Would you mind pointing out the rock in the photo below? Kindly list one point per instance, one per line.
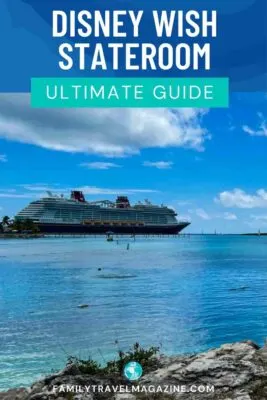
(235, 371)
(14, 394)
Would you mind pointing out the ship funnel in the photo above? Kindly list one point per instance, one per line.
(122, 202)
(78, 196)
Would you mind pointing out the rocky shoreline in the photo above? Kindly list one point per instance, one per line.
(236, 371)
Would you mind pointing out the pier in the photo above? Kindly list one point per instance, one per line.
(116, 236)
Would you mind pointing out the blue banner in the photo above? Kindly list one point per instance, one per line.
(238, 51)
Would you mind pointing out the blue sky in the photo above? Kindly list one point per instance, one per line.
(211, 165)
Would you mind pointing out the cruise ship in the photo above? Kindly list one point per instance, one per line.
(57, 214)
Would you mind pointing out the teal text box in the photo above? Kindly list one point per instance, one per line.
(129, 92)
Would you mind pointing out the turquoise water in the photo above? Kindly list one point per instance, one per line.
(176, 293)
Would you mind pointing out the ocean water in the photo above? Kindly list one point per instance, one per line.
(184, 294)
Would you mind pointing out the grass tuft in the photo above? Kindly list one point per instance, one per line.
(146, 357)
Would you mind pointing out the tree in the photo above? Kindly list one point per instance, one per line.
(24, 225)
(5, 221)
(17, 225)
(29, 225)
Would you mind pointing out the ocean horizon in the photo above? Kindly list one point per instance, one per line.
(185, 294)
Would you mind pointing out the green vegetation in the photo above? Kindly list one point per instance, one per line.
(5, 221)
(145, 357)
(4, 225)
(25, 225)
(17, 225)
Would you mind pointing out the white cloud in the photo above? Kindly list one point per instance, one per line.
(93, 190)
(202, 214)
(229, 216)
(261, 130)
(158, 164)
(39, 187)
(109, 132)
(240, 199)
(182, 203)
(38, 190)
(32, 192)
(99, 165)
(259, 217)
(257, 221)
(184, 217)
(15, 195)
(3, 158)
